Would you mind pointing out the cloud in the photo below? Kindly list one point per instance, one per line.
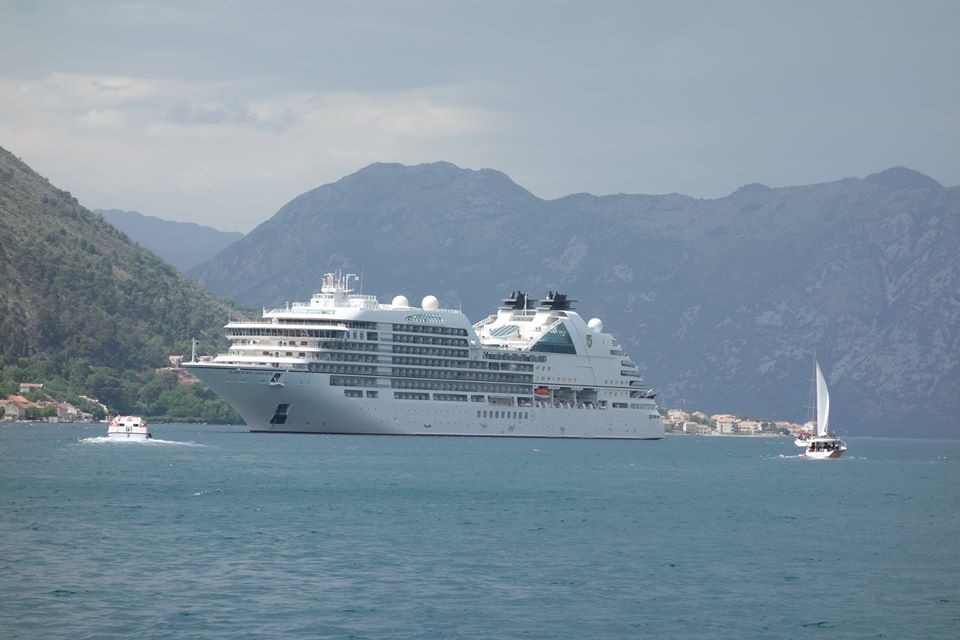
(172, 148)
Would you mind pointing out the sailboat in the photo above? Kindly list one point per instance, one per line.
(822, 445)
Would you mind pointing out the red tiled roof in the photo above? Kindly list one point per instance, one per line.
(20, 401)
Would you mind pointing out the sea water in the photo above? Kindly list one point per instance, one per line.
(212, 532)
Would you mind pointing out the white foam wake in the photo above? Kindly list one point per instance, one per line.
(149, 442)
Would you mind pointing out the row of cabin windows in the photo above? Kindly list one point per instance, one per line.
(456, 397)
(286, 333)
(447, 342)
(355, 369)
(347, 357)
(436, 374)
(461, 386)
(275, 354)
(421, 328)
(348, 346)
(462, 364)
(351, 324)
(350, 381)
(356, 393)
(448, 374)
(486, 387)
(510, 415)
(339, 356)
(430, 351)
(520, 357)
(406, 395)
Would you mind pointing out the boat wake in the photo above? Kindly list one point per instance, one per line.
(799, 456)
(151, 442)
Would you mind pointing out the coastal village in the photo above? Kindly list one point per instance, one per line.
(678, 421)
(32, 403)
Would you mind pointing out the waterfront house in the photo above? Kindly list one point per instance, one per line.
(66, 412)
(726, 423)
(750, 426)
(15, 407)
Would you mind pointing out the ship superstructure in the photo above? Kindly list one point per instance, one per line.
(345, 363)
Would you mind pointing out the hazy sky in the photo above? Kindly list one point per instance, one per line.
(221, 112)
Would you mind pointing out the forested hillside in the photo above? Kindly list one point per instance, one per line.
(84, 309)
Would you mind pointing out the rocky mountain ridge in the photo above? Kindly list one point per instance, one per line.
(182, 244)
(723, 302)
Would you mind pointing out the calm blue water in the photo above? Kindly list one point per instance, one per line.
(225, 534)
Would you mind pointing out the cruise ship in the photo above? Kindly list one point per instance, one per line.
(345, 363)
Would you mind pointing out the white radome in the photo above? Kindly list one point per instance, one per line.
(595, 325)
(400, 301)
(430, 303)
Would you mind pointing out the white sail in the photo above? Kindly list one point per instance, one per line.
(823, 404)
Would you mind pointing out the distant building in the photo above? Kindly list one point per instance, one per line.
(184, 377)
(726, 423)
(750, 426)
(697, 428)
(15, 407)
(30, 387)
(66, 412)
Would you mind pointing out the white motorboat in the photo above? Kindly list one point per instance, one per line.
(803, 438)
(128, 428)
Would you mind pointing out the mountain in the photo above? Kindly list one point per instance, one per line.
(182, 244)
(723, 302)
(81, 305)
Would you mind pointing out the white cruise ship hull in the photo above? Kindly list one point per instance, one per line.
(305, 403)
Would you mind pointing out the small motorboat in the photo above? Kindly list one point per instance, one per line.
(803, 438)
(128, 428)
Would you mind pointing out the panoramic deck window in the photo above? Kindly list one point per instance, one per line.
(557, 340)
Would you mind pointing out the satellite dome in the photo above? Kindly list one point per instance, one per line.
(400, 301)
(430, 303)
(595, 325)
